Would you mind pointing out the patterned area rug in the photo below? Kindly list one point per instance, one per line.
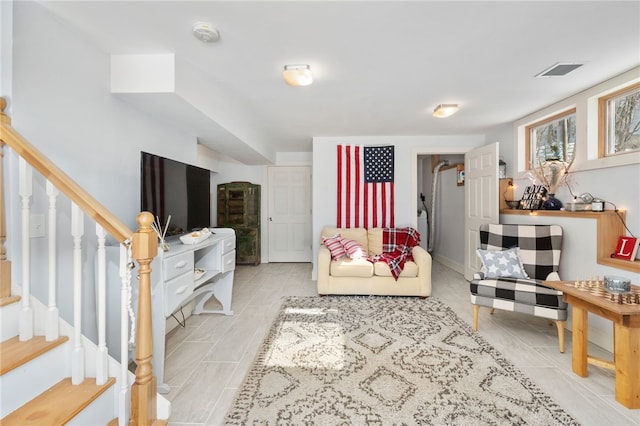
(381, 361)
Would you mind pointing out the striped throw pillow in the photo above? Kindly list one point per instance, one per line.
(334, 244)
(354, 250)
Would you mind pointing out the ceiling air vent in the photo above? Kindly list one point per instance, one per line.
(559, 70)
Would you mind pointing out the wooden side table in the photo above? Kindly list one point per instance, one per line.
(625, 314)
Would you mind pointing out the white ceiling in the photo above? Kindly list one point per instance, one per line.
(380, 67)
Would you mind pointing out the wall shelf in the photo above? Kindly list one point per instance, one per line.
(609, 228)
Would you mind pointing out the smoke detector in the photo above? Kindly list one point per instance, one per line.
(203, 31)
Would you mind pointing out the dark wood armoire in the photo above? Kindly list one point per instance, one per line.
(239, 208)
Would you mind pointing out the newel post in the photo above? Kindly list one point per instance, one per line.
(5, 265)
(143, 392)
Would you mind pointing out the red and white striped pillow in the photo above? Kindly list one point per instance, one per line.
(334, 244)
(354, 249)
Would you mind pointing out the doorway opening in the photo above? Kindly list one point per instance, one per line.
(440, 210)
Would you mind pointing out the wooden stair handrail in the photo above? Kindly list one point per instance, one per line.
(92, 207)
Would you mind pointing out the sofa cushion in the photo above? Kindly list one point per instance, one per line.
(358, 235)
(381, 269)
(346, 267)
(375, 241)
(335, 246)
(521, 291)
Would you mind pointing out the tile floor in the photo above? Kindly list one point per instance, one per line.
(208, 359)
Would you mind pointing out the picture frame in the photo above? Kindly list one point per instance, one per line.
(533, 197)
(627, 249)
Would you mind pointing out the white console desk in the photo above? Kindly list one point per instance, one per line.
(175, 283)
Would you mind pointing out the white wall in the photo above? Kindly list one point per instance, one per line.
(62, 104)
(407, 150)
(293, 159)
(64, 107)
(6, 49)
(448, 245)
(504, 135)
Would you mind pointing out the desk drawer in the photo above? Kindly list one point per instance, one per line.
(178, 265)
(229, 261)
(176, 291)
(229, 244)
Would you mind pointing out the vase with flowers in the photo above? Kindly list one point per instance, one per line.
(552, 174)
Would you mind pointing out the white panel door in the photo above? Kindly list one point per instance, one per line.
(289, 214)
(481, 200)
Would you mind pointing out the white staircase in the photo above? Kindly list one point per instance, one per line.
(35, 383)
(50, 373)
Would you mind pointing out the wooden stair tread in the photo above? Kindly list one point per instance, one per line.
(4, 301)
(58, 404)
(14, 353)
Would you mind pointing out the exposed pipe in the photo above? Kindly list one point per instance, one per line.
(432, 221)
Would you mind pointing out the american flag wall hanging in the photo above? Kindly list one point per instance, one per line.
(365, 187)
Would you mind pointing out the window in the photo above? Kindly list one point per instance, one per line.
(553, 138)
(619, 122)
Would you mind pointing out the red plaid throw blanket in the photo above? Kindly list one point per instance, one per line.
(396, 248)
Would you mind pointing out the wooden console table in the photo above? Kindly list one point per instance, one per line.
(625, 315)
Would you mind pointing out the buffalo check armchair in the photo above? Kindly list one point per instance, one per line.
(516, 260)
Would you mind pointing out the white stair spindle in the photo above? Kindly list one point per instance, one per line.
(77, 231)
(124, 400)
(51, 332)
(26, 190)
(102, 359)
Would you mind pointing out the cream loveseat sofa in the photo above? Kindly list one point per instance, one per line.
(361, 277)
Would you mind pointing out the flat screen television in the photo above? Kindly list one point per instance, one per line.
(169, 187)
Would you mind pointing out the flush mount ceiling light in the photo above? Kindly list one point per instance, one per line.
(297, 75)
(445, 110)
(203, 31)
